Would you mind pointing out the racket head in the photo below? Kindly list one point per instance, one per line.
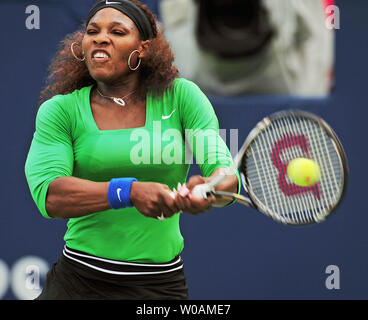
(271, 145)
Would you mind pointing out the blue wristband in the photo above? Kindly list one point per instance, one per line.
(118, 193)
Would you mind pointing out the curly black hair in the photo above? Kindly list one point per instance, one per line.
(67, 74)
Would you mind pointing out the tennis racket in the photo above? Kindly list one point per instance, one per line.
(263, 159)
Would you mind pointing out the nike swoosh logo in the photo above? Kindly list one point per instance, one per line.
(118, 192)
(169, 116)
(108, 2)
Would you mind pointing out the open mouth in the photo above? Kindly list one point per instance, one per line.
(100, 56)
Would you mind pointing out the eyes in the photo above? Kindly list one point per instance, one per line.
(115, 32)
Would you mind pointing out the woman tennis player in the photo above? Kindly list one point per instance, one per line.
(112, 85)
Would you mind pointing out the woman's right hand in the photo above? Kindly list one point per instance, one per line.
(153, 199)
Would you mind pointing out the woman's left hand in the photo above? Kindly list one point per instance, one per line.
(187, 202)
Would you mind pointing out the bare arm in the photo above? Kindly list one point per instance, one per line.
(70, 197)
(229, 184)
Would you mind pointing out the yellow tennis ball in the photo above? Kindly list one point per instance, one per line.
(303, 172)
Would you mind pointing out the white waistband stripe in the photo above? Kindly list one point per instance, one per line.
(123, 263)
(66, 251)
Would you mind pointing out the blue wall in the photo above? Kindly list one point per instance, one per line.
(231, 253)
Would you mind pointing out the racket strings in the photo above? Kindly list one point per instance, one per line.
(297, 206)
(319, 152)
(286, 209)
(263, 170)
(293, 137)
(329, 181)
(310, 209)
(317, 213)
(294, 207)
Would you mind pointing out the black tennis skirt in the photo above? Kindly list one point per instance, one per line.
(80, 276)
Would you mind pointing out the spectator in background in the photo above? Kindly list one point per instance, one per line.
(251, 46)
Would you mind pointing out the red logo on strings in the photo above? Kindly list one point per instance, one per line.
(287, 142)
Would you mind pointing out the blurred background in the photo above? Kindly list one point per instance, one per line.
(251, 58)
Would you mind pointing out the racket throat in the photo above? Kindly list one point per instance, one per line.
(230, 197)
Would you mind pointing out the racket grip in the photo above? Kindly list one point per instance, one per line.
(201, 190)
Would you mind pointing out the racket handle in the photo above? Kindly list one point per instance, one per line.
(201, 190)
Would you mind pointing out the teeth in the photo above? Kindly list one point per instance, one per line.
(100, 55)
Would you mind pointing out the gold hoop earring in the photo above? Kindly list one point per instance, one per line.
(75, 56)
(130, 57)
